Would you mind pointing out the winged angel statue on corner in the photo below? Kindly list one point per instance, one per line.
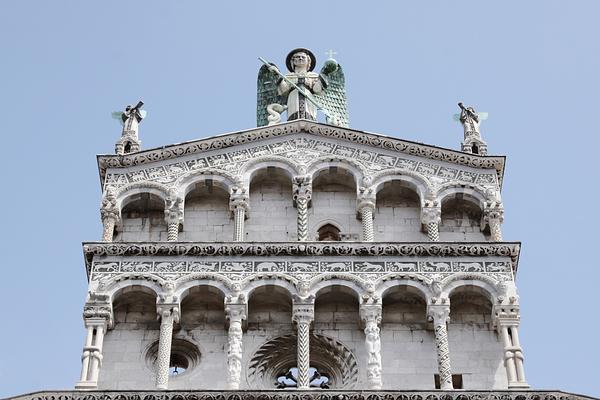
(301, 92)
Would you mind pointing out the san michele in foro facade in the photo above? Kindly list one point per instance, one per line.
(301, 260)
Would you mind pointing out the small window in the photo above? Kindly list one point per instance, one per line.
(457, 381)
(127, 148)
(329, 233)
(475, 149)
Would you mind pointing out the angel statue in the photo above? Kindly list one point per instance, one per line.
(470, 120)
(130, 119)
(301, 91)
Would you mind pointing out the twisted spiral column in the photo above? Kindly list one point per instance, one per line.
(439, 314)
(173, 231)
(431, 217)
(365, 206)
(173, 214)
(302, 194)
(168, 314)
(239, 205)
(303, 315)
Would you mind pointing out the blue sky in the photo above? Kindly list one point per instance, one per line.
(67, 64)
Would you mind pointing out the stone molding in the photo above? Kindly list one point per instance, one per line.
(227, 161)
(302, 394)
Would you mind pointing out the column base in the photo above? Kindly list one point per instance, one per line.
(86, 385)
(161, 387)
(518, 385)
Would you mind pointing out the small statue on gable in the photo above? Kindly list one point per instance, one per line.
(130, 120)
(470, 120)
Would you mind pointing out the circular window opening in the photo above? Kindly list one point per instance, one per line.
(184, 356)
(274, 364)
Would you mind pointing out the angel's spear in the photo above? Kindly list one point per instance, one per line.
(298, 88)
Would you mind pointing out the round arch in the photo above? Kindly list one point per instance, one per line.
(252, 167)
(414, 181)
(126, 193)
(117, 288)
(184, 285)
(322, 163)
(475, 194)
(487, 285)
(259, 281)
(186, 183)
(354, 286)
(420, 287)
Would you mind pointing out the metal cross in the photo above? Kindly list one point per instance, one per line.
(330, 54)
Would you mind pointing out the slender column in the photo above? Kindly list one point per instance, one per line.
(365, 207)
(235, 313)
(303, 315)
(110, 215)
(431, 218)
(507, 323)
(97, 317)
(514, 330)
(494, 218)
(168, 314)
(440, 315)
(302, 194)
(173, 214)
(239, 205)
(509, 360)
(371, 317)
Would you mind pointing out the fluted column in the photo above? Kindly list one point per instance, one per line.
(240, 206)
(302, 194)
(494, 218)
(173, 215)
(440, 315)
(110, 215)
(303, 315)
(370, 314)
(365, 207)
(97, 318)
(431, 218)
(235, 313)
(507, 323)
(168, 313)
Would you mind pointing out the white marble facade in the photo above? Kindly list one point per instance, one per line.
(299, 247)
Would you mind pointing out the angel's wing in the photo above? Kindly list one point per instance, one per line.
(117, 115)
(266, 93)
(456, 117)
(143, 113)
(333, 98)
(482, 116)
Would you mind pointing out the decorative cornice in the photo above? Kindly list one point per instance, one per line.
(302, 394)
(301, 249)
(318, 129)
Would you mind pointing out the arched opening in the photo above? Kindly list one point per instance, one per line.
(127, 147)
(477, 352)
(272, 213)
(135, 329)
(405, 330)
(142, 219)
(207, 217)
(475, 148)
(334, 199)
(270, 311)
(398, 213)
(328, 233)
(336, 310)
(461, 219)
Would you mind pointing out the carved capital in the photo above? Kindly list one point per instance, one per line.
(238, 198)
(302, 189)
(366, 198)
(370, 314)
(438, 314)
(109, 208)
(98, 313)
(431, 214)
(495, 213)
(303, 313)
(236, 312)
(507, 315)
(173, 207)
(166, 311)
